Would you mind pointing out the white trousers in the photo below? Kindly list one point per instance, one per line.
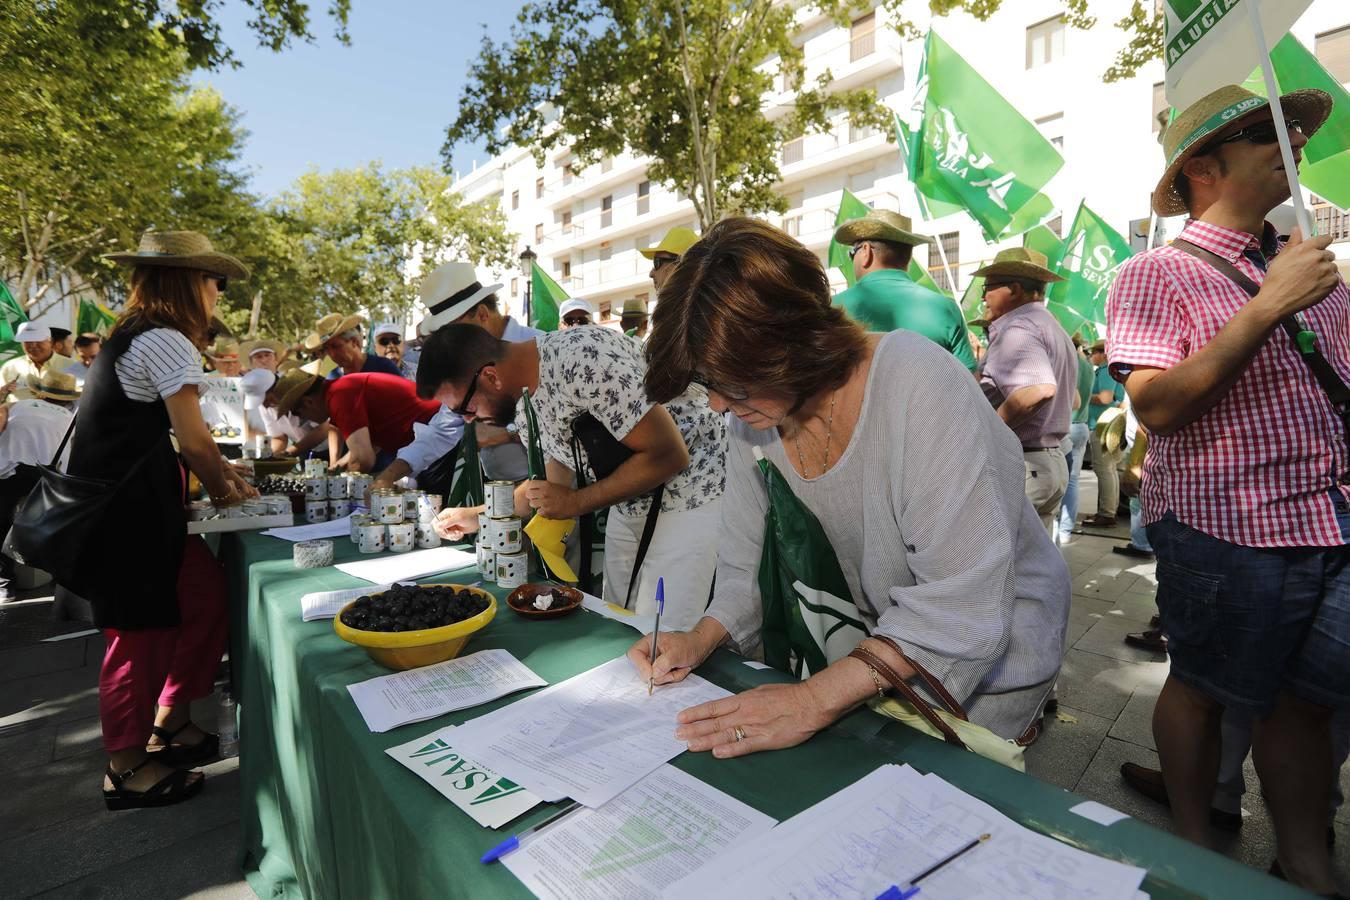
(683, 551)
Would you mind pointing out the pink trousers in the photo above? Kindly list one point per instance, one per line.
(168, 666)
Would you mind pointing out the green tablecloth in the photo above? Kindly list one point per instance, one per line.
(327, 814)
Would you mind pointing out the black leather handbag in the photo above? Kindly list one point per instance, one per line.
(61, 515)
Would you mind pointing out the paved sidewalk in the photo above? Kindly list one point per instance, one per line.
(61, 842)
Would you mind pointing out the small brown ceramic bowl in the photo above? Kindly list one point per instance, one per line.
(521, 601)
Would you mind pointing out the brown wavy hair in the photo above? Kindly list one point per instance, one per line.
(750, 306)
(167, 297)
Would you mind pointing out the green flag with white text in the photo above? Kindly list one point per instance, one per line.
(1210, 43)
(810, 619)
(546, 295)
(11, 314)
(931, 209)
(1093, 253)
(1325, 169)
(850, 207)
(971, 148)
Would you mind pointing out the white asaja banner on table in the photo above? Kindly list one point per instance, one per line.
(1211, 43)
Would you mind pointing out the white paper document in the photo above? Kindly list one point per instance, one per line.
(893, 824)
(590, 737)
(660, 829)
(418, 694)
(617, 613)
(489, 799)
(327, 604)
(392, 567)
(336, 528)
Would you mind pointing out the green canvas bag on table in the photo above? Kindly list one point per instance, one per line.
(811, 620)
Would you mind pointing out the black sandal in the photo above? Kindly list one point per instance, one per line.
(183, 754)
(172, 788)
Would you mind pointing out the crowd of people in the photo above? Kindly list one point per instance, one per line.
(940, 468)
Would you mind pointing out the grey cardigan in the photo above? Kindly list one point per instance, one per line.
(927, 513)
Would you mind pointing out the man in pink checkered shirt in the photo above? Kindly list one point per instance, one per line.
(1244, 484)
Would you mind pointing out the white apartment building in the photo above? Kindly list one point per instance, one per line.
(586, 225)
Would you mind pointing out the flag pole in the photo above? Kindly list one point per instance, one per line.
(1277, 113)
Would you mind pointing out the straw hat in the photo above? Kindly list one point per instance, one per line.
(55, 385)
(676, 241)
(181, 250)
(248, 348)
(1020, 262)
(1099, 346)
(451, 290)
(223, 348)
(329, 327)
(1213, 113)
(290, 388)
(634, 306)
(1109, 432)
(880, 225)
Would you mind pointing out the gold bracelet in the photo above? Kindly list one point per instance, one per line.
(876, 680)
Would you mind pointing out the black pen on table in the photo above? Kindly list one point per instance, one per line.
(656, 627)
(895, 892)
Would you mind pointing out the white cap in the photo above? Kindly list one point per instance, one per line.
(32, 332)
(255, 384)
(387, 328)
(574, 305)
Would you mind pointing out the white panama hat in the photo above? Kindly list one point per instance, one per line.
(451, 290)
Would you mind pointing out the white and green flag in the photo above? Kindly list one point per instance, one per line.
(970, 148)
(1211, 43)
(1093, 253)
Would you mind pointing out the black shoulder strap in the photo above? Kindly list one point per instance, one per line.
(69, 431)
(1327, 376)
(588, 526)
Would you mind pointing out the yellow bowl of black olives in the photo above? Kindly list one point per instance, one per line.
(408, 626)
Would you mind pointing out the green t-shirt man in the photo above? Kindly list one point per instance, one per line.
(888, 299)
(1085, 378)
(1103, 381)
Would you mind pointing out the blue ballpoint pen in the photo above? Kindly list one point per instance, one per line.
(660, 607)
(513, 842)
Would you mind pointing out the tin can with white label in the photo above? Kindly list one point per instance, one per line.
(254, 507)
(199, 510)
(356, 521)
(505, 535)
(250, 452)
(487, 562)
(277, 504)
(339, 508)
(410, 504)
(262, 446)
(483, 521)
(511, 569)
(315, 468)
(436, 500)
(500, 497)
(316, 511)
(337, 487)
(316, 487)
(402, 536)
(426, 510)
(427, 536)
(387, 506)
(370, 537)
(358, 484)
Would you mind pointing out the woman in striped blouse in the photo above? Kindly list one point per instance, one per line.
(158, 595)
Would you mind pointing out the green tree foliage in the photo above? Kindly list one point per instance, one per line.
(359, 238)
(678, 81)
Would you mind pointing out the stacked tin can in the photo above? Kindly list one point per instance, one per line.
(398, 521)
(501, 539)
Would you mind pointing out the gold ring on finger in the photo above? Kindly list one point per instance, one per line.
(739, 733)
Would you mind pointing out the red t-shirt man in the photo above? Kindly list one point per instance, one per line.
(386, 404)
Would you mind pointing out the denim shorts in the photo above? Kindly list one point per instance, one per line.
(1244, 623)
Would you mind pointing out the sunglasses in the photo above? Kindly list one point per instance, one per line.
(659, 261)
(389, 340)
(736, 395)
(853, 251)
(1261, 132)
(577, 320)
(221, 282)
(463, 408)
(993, 286)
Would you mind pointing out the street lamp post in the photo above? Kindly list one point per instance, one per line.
(527, 258)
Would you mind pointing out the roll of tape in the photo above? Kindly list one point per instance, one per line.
(313, 554)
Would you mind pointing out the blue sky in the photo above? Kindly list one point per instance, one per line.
(388, 96)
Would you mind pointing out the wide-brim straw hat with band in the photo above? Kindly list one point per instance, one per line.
(181, 250)
(451, 290)
(1019, 262)
(1109, 432)
(222, 349)
(1190, 132)
(880, 225)
(676, 241)
(329, 327)
(55, 386)
(290, 388)
(248, 348)
(634, 306)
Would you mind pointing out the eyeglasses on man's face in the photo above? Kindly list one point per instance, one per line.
(389, 340)
(1262, 132)
(658, 262)
(462, 408)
